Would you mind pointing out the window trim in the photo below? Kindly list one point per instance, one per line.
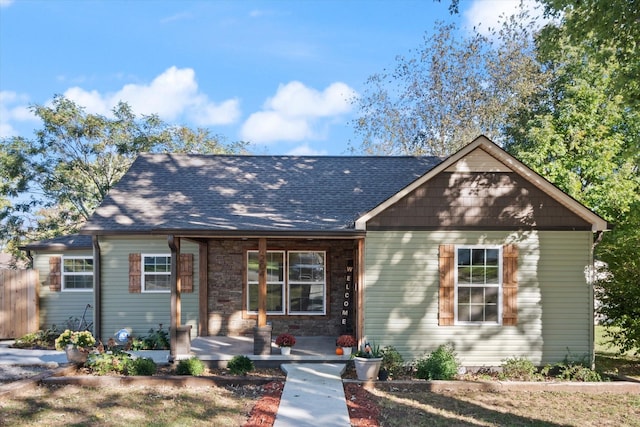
(63, 274)
(143, 274)
(498, 286)
(286, 303)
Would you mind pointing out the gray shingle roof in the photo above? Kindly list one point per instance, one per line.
(251, 193)
(72, 241)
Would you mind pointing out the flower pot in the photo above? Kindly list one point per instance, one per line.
(285, 351)
(76, 355)
(346, 351)
(367, 369)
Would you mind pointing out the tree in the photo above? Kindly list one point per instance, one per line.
(449, 91)
(52, 184)
(618, 287)
(608, 25)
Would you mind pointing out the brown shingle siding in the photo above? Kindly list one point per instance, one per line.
(468, 200)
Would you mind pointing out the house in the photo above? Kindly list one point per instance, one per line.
(476, 250)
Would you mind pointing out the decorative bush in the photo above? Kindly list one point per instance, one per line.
(157, 339)
(192, 366)
(285, 340)
(108, 363)
(346, 341)
(519, 369)
(439, 365)
(392, 361)
(142, 366)
(240, 365)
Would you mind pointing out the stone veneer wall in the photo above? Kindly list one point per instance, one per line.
(227, 263)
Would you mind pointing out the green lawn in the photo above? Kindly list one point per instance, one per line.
(608, 359)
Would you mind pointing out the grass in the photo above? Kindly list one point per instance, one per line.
(506, 409)
(124, 406)
(609, 360)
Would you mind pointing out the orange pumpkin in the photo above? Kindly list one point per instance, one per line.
(339, 351)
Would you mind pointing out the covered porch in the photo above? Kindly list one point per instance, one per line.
(216, 351)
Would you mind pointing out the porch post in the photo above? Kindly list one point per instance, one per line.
(174, 245)
(262, 331)
(262, 282)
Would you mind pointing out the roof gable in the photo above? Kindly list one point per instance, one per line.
(482, 155)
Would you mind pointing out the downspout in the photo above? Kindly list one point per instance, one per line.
(174, 245)
(97, 290)
(592, 273)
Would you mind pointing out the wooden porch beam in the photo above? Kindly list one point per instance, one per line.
(176, 309)
(262, 282)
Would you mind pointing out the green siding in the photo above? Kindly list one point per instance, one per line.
(143, 311)
(554, 298)
(56, 308)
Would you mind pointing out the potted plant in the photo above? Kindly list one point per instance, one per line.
(285, 342)
(346, 342)
(77, 345)
(367, 362)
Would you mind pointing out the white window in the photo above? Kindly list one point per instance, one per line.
(77, 273)
(301, 282)
(156, 273)
(478, 283)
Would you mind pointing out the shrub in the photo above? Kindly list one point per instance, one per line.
(157, 339)
(518, 368)
(107, 363)
(40, 339)
(142, 366)
(439, 365)
(392, 361)
(192, 366)
(240, 365)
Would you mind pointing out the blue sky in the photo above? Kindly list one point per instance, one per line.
(276, 73)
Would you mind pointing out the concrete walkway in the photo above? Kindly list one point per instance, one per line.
(313, 395)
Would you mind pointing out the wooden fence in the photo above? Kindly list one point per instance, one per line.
(19, 311)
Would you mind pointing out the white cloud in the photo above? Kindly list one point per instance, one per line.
(13, 108)
(296, 111)
(172, 95)
(485, 14)
(306, 150)
(5, 3)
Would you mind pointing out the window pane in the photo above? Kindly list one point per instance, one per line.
(493, 257)
(78, 282)
(476, 313)
(464, 256)
(491, 275)
(306, 298)
(477, 295)
(306, 267)
(464, 275)
(157, 264)
(463, 312)
(157, 282)
(464, 295)
(477, 256)
(491, 313)
(274, 297)
(78, 265)
(477, 275)
(275, 266)
(491, 295)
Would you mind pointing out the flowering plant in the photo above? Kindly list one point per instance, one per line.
(79, 339)
(345, 341)
(285, 340)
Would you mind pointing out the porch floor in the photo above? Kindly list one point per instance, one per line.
(216, 351)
